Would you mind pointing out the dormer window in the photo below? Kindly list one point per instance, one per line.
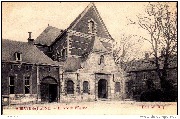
(92, 26)
(18, 56)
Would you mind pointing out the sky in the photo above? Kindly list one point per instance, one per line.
(19, 18)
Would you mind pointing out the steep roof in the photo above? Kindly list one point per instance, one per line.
(72, 64)
(91, 6)
(48, 36)
(98, 46)
(30, 53)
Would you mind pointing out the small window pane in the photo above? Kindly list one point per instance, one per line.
(26, 82)
(11, 80)
(70, 87)
(27, 89)
(11, 89)
(85, 87)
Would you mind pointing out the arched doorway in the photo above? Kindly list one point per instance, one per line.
(102, 88)
(48, 90)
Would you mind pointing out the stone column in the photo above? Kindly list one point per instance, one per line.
(109, 88)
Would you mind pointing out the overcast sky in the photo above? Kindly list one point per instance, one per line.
(19, 18)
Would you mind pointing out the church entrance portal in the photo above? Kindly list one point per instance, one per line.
(102, 88)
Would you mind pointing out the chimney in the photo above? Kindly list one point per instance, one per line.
(30, 40)
(146, 56)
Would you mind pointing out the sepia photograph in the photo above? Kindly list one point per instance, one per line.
(89, 58)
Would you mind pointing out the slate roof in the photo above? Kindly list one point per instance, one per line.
(98, 46)
(48, 36)
(143, 64)
(72, 64)
(30, 53)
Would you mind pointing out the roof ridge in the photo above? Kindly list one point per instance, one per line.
(48, 35)
(13, 40)
(80, 15)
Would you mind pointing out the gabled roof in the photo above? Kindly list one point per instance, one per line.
(48, 36)
(91, 5)
(30, 53)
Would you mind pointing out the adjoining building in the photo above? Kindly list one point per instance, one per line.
(27, 73)
(143, 71)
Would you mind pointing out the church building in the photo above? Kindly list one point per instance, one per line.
(82, 57)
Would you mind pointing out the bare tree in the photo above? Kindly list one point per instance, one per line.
(126, 49)
(160, 21)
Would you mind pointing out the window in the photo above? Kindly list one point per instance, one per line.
(11, 66)
(49, 68)
(117, 87)
(91, 27)
(27, 67)
(70, 87)
(85, 87)
(18, 56)
(144, 75)
(64, 53)
(27, 85)
(101, 59)
(11, 84)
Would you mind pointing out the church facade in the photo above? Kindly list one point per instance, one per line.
(83, 58)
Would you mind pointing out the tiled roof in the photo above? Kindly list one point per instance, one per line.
(149, 64)
(48, 36)
(72, 64)
(30, 53)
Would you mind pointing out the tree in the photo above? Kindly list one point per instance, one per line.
(126, 49)
(160, 21)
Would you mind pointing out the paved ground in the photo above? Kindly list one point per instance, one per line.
(91, 108)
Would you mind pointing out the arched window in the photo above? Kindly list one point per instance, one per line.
(101, 59)
(91, 27)
(64, 53)
(85, 87)
(70, 87)
(117, 87)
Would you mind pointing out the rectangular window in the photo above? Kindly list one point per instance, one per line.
(11, 84)
(27, 67)
(27, 85)
(117, 87)
(11, 66)
(85, 87)
(144, 75)
(18, 56)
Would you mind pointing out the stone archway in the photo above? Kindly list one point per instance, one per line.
(49, 90)
(102, 88)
